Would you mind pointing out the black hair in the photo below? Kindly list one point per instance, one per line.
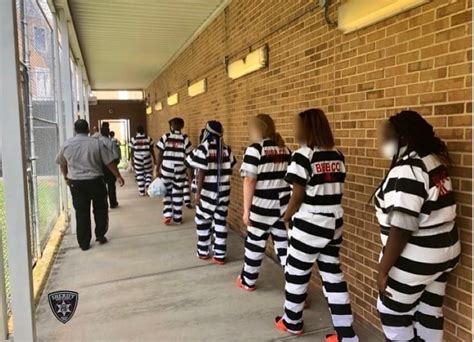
(176, 123)
(81, 126)
(419, 136)
(105, 124)
(112, 134)
(140, 129)
(105, 131)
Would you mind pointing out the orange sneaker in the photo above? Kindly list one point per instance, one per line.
(331, 338)
(239, 283)
(280, 325)
(218, 261)
(168, 220)
(204, 257)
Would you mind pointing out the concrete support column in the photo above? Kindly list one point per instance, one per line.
(15, 182)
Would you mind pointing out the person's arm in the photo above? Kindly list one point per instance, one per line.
(114, 169)
(396, 242)
(159, 161)
(297, 197)
(63, 168)
(153, 156)
(249, 190)
(199, 184)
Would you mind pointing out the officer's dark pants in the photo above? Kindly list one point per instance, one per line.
(110, 180)
(83, 193)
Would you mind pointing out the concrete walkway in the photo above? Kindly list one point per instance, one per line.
(146, 284)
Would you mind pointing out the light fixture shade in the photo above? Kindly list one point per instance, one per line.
(197, 88)
(357, 14)
(254, 61)
(172, 99)
(149, 110)
(158, 106)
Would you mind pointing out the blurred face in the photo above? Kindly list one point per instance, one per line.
(299, 130)
(388, 141)
(255, 134)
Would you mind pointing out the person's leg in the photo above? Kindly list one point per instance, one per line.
(101, 209)
(177, 193)
(429, 319)
(335, 287)
(280, 240)
(139, 173)
(82, 206)
(255, 242)
(203, 229)
(167, 174)
(186, 194)
(111, 189)
(148, 170)
(306, 241)
(220, 229)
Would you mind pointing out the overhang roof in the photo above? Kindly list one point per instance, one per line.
(125, 43)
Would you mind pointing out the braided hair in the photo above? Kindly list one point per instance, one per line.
(414, 132)
(418, 135)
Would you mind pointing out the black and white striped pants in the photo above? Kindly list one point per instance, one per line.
(143, 165)
(212, 213)
(262, 226)
(186, 192)
(174, 177)
(317, 238)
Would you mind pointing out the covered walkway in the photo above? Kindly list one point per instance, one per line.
(146, 284)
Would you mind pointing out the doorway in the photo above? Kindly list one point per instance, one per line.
(121, 128)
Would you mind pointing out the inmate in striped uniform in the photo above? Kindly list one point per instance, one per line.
(174, 146)
(141, 145)
(213, 206)
(267, 163)
(417, 195)
(316, 236)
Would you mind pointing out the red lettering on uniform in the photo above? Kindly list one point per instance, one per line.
(276, 155)
(439, 180)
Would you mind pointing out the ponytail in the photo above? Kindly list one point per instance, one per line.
(268, 130)
(278, 139)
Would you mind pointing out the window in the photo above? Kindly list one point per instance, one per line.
(39, 39)
(42, 85)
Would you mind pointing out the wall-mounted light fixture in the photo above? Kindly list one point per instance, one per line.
(158, 106)
(357, 14)
(148, 106)
(254, 61)
(172, 99)
(197, 88)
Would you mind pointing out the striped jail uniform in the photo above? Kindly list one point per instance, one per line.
(417, 195)
(316, 236)
(267, 163)
(213, 207)
(142, 161)
(174, 146)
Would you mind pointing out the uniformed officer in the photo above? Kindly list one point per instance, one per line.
(81, 160)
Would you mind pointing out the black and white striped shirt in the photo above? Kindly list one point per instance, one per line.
(175, 146)
(141, 143)
(267, 163)
(323, 173)
(417, 195)
(205, 158)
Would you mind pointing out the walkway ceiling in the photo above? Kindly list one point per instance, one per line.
(126, 43)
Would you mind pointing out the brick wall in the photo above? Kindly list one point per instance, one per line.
(419, 59)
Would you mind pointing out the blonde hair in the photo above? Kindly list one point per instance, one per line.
(266, 125)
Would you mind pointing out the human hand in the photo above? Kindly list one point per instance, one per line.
(121, 181)
(246, 218)
(287, 225)
(382, 279)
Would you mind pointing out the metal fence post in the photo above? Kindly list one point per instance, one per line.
(15, 180)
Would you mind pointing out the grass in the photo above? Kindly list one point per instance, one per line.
(48, 200)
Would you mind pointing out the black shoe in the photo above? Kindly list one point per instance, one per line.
(113, 206)
(102, 240)
(85, 248)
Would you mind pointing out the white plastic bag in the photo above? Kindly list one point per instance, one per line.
(157, 188)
